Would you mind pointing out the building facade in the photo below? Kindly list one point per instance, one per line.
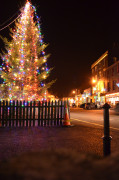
(99, 68)
(112, 83)
(86, 96)
(105, 79)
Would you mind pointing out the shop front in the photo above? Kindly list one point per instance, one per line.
(112, 99)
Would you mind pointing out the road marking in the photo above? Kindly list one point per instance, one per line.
(94, 124)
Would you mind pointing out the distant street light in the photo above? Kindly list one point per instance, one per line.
(73, 92)
(93, 80)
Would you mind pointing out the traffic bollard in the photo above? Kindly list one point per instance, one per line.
(106, 138)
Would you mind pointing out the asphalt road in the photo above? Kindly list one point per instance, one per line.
(94, 117)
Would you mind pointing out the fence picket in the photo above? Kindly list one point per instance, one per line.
(30, 113)
(34, 113)
(10, 113)
(42, 120)
(6, 114)
(45, 113)
(17, 104)
(22, 113)
(58, 106)
(64, 111)
(55, 112)
(61, 113)
(27, 109)
(39, 109)
(48, 113)
(51, 113)
(23, 107)
(13, 113)
(16, 113)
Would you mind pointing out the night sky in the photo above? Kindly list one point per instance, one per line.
(78, 33)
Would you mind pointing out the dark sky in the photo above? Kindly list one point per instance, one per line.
(78, 33)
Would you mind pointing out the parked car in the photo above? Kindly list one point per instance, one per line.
(99, 105)
(73, 105)
(82, 105)
(88, 106)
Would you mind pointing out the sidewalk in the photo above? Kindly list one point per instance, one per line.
(14, 141)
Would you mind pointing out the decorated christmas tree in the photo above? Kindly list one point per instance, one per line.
(24, 67)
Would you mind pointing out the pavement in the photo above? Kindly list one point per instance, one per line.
(79, 138)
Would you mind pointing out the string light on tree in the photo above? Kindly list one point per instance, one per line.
(24, 67)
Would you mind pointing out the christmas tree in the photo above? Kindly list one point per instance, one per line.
(24, 67)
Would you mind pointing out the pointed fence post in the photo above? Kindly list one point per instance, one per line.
(34, 112)
(39, 113)
(48, 113)
(106, 138)
(57, 113)
(6, 113)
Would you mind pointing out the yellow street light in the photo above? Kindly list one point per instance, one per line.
(73, 92)
(93, 80)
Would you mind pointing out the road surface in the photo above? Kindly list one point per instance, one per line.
(94, 117)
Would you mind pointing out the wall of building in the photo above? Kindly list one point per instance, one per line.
(105, 71)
